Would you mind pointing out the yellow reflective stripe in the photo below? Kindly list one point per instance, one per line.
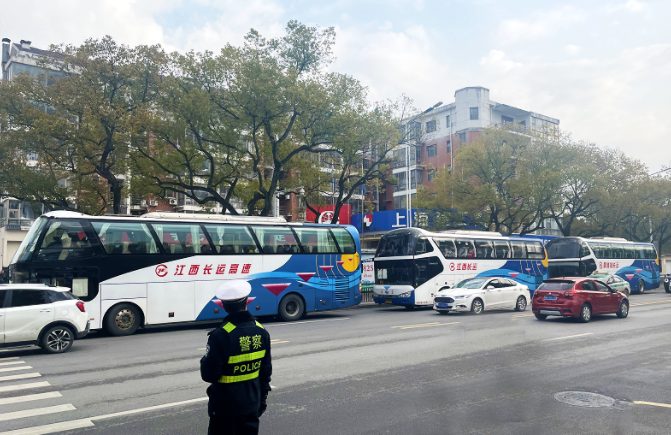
(229, 327)
(247, 357)
(259, 325)
(240, 378)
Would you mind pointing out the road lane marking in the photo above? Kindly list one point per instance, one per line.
(14, 369)
(51, 428)
(661, 405)
(88, 422)
(305, 321)
(30, 398)
(24, 386)
(650, 303)
(519, 316)
(569, 336)
(17, 377)
(11, 363)
(426, 325)
(151, 408)
(7, 359)
(36, 411)
(278, 342)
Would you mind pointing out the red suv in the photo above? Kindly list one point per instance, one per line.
(577, 297)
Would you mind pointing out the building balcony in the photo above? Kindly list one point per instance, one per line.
(16, 224)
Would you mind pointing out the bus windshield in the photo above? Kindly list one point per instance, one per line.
(28, 245)
(563, 248)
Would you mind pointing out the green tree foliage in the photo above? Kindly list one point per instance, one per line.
(79, 119)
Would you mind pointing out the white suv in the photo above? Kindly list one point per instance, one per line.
(51, 317)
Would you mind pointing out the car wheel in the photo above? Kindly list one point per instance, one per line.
(624, 310)
(641, 286)
(124, 319)
(477, 306)
(667, 287)
(540, 316)
(57, 339)
(585, 313)
(627, 291)
(291, 308)
(521, 304)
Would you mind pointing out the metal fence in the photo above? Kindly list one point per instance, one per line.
(367, 293)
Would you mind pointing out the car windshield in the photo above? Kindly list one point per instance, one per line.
(556, 285)
(472, 283)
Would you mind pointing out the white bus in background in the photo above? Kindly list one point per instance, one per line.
(412, 264)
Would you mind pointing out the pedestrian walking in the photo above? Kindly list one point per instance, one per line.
(237, 364)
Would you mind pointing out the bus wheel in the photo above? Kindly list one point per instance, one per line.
(641, 286)
(291, 308)
(123, 319)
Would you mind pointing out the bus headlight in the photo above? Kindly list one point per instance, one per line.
(405, 295)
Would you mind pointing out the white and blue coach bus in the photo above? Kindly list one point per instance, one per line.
(165, 267)
(412, 264)
(637, 263)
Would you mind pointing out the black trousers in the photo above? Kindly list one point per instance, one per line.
(239, 425)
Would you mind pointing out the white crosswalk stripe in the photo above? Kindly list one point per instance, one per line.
(36, 411)
(13, 369)
(24, 386)
(17, 377)
(30, 398)
(11, 363)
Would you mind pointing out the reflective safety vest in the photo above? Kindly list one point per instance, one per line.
(247, 364)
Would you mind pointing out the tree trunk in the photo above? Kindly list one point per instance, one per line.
(116, 197)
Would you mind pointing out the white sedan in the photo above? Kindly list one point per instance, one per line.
(478, 294)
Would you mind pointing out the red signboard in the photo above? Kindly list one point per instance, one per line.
(326, 214)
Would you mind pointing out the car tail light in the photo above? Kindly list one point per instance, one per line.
(568, 294)
(80, 305)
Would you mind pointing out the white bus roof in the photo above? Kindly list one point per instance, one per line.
(462, 233)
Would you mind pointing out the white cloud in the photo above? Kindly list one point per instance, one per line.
(620, 101)
(544, 23)
(73, 21)
(572, 49)
(630, 5)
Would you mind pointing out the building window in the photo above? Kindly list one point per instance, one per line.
(447, 121)
(431, 151)
(366, 164)
(431, 126)
(474, 113)
(449, 147)
(400, 202)
(462, 137)
(431, 175)
(506, 119)
(418, 155)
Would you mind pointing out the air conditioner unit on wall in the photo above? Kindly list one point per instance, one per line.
(173, 201)
(153, 203)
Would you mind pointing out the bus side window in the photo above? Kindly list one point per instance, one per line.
(65, 239)
(125, 238)
(345, 241)
(584, 250)
(535, 250)
(465, 248)
(316, 240)
(629, 251)
(502, 249)
(519, 249)
(232, 239)
(484, 248)
(447, 247)
(617, 250)
(276, 240)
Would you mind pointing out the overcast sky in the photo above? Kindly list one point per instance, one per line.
(602, 67)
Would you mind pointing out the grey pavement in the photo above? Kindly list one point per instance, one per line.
(381, 370)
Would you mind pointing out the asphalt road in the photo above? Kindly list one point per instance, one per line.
(377, 370)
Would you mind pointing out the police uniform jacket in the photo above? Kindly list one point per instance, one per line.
(237, 364)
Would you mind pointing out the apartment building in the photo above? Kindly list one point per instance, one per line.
(438, 134)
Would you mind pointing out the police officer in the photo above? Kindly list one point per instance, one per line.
(237, 364)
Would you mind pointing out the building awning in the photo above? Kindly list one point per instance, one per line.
(511, 111)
